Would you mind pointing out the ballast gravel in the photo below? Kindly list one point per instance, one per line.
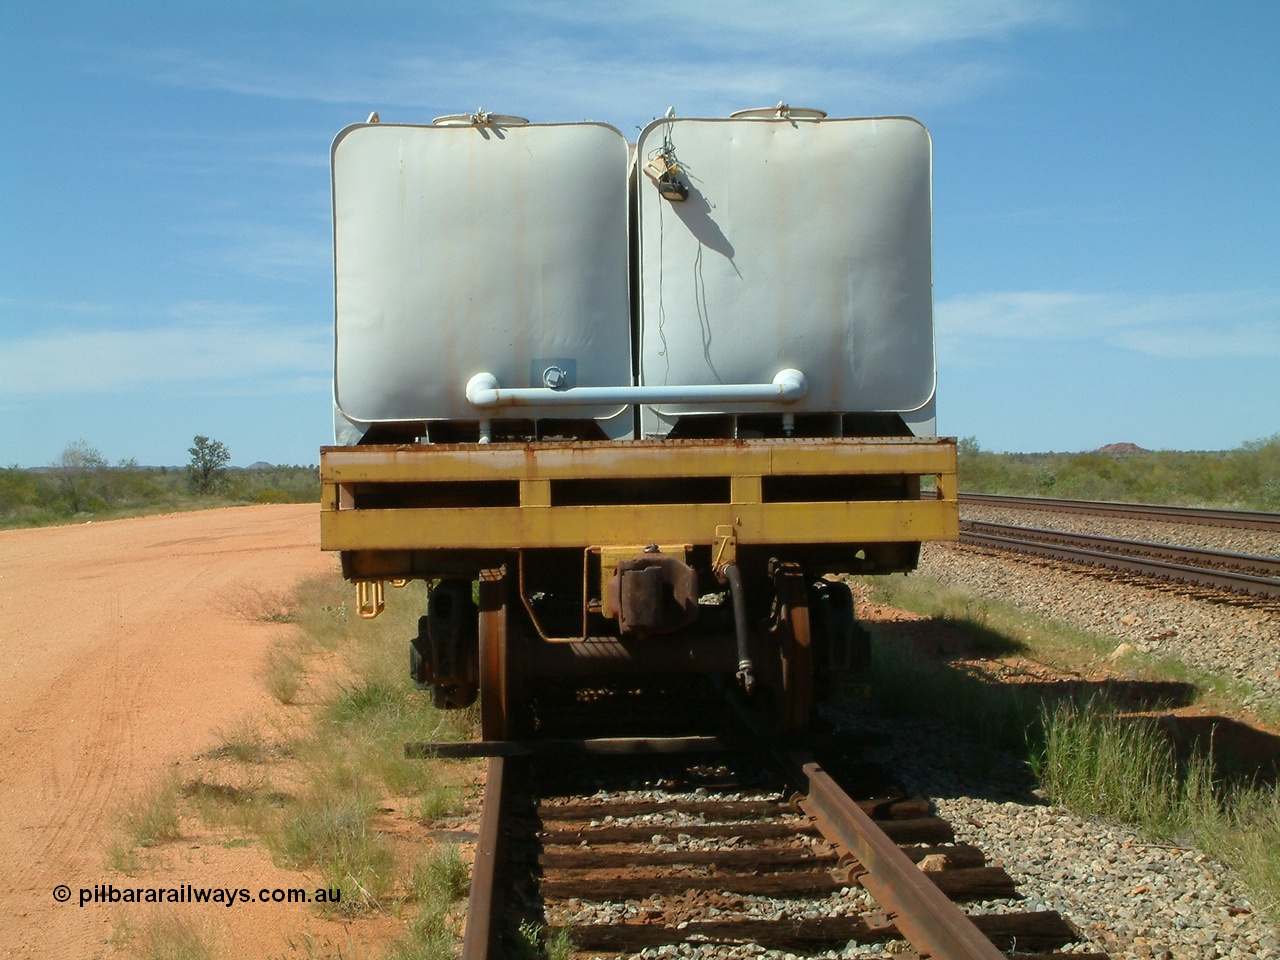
(1132, 899)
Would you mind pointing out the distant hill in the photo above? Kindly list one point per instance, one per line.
(1121, 448)
(260, 465)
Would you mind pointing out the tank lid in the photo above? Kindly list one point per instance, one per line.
(481, 118)
(783, 111)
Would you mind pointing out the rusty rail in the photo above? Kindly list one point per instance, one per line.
(934, 926)
(483, 936)
(930, 922)
(1242, 519)
(596, 747)
(1162, 561)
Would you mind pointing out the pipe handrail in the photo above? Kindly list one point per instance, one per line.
(484, 391)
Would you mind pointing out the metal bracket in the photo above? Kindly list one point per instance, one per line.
(370, 598)
(725, 549)
(609, 557)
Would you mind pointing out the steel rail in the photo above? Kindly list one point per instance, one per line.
(482, 938)
(1253, 563)
(595, 747)
(1242, 519)
(923, 915)
(1080, 548)
(934, 926)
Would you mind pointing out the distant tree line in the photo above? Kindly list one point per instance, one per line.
(81, 484)
(1246, 478)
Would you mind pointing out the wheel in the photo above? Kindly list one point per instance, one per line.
(789, 634)
(496, 700)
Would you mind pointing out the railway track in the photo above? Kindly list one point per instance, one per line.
(707, 844)
(1251, 574)
(1241, 519)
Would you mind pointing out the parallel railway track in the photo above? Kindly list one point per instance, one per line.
(1241, 519)
(1237, 572)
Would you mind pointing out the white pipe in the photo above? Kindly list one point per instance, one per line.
(788, 386)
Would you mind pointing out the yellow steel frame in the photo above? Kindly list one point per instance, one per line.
(639, 458)
(535, 523)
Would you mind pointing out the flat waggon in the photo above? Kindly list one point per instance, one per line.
(628, 407)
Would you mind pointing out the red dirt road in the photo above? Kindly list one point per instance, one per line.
(120, 655)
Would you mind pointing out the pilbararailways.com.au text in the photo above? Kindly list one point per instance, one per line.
(187, 893)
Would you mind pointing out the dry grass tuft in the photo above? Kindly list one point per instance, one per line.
(284, 674)
(251, 602)
(173, 936)
(153, 818)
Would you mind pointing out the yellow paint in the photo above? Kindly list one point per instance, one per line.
(745, 489)
(725, 548)
(647, 458)
(513, 527)
(537, 524)
(370, 598)
(535, 493)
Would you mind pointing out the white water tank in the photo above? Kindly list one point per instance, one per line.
(479, 246)
(802, 243)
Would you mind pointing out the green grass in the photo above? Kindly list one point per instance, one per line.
(366, 720)
(1247, 836)
(346, 769)
(324, 608)
(1101, 764)
(153, 818)
(441, 875)
(354, 758)
(330, 831)
(241, 741)
(121, 855)
(1124, 768)
(440, 880)
(438, 801)
(429, 937)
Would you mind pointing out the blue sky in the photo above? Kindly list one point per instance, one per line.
(1106, 199)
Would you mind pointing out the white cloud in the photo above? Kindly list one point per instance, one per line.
(1243, 323)
(867, 26)
(300, 255)
(203, 345)
(569, 60)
